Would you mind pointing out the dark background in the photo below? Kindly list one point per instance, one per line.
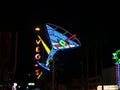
(91, 28)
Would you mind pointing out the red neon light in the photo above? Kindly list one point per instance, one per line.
(36, 65)
(37, 56)
(71, 37)
(37, 72)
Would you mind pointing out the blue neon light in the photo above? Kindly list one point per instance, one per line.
(44, 66)
(56, 36)
(52, 53)
(119, 76)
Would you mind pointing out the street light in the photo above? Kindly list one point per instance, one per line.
(37, 29)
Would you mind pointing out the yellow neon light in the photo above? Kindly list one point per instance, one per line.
(44, 45)
(39, 75)
(47, 63)
(46, 48)
(48, 52)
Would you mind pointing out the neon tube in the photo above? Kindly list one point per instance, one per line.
(44, 45)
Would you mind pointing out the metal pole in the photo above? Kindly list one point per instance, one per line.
(87, 66)
(82, 75)
(118, 76)
(96, 66)
(101, 61)
(53, 75)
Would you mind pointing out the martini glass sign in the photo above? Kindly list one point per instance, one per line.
(60, 39)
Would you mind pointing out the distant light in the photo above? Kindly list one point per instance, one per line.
(15, 84)
(37, 29)
(113, 55)
(19, 86)
(29, 74)
(31, 84)
(27, 87)
(108, 87)
(1, 85)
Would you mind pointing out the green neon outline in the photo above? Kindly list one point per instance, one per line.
(117, 58)
(62, 42)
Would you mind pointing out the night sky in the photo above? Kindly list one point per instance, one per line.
(71, 16)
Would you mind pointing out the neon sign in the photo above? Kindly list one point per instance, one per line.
(37, 56)
(58, 41)
(116, 56)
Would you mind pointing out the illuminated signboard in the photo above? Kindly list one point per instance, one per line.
(60, 39)
(37, 56)
(108, 87)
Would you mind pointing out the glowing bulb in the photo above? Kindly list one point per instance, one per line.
(37, 29)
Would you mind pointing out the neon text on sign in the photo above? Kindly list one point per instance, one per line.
(37, 56)
(37, 49)
(37, 42)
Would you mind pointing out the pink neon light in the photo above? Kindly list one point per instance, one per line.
(71, 37)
